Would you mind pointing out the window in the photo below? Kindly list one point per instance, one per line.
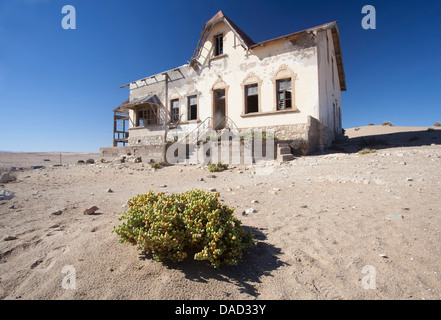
(218, 45)
(251, 98)
(147, 117)
(283, 94)
(192, 110)
(174, 114)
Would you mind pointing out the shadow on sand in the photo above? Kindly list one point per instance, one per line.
(390, 140)
(257, 262)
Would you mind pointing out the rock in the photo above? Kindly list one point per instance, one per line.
(6, 195)
(304, 206)
(383, 255)
(37, 167)
(201, 179)
(5, 177)
(272, 192)
(163, 186)
(212, 189)
(254, 201)
(394, 217)
(248, 211)
(211, 176)
(228, 189)
(10, 238)
(409, 179)
(109, 190)
(57, 213)
(276, 189)
(90, 161)
(91, 210)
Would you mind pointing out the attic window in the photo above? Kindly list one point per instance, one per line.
(219, 45)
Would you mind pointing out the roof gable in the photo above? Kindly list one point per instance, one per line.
(245, 40)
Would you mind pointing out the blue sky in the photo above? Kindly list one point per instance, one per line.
(58, 87)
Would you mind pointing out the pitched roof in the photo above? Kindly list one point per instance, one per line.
(336, 41)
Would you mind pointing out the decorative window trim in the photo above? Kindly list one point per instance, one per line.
(173, 98)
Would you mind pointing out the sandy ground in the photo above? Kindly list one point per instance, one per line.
(339, 221)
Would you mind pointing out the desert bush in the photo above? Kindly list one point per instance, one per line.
(217, 167)
(366, 151)
(387, 123)
(155, 165)
(80, 162)
(437, 124)
(168, 226)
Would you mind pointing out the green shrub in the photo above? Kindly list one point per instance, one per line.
(437, 124)
(168, 226)
(387, 123)
(366, 151)
(217, 167)
(155, 165)
(80, 162)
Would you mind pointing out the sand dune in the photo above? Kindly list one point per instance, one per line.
(334, 214)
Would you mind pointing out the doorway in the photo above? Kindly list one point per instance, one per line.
(219, 109)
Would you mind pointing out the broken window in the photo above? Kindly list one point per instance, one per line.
(219, 45)
(192, 112)
(174, 114)
(283, 94)
(251, 98)
(147, 117)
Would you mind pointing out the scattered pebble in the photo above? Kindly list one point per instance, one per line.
(212, 189)
(163, 186)
(91, 210)
(254, 201)
(109, 190)
(10, 238)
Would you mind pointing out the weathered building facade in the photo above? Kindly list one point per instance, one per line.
(291, 85)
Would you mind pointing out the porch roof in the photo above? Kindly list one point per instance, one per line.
(151, 99)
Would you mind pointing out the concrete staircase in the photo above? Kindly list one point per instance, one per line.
(284, 152)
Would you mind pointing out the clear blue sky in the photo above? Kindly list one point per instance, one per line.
(58, 87)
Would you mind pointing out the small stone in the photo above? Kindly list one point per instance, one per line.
(254, 201)
(382, 255)
(276, 189)
(163, 186)
(228, 189)
(409, 179)
(109, 190)
(201, 179)
(272, 192)
(6, 195)
(57, 213)
(91, 210)
(304, 206)
(125, 205)
(5, 177)
(211, 176)
(212, 189)
(10, 238)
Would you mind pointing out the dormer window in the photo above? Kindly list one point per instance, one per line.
(218, 45)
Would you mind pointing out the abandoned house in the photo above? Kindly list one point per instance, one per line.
(291, 85)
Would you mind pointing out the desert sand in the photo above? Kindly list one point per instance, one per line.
(338, 225)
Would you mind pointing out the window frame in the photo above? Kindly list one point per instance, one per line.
(189, 107)
(245, 86)
(172, 114)
(284, 92)
(218, 47)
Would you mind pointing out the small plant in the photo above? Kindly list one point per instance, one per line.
(387, 123)
(155, 165)
(80, 162)
(366, 151)
(437, 124)
(169, 226)
(217, 167)
(371, 124)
